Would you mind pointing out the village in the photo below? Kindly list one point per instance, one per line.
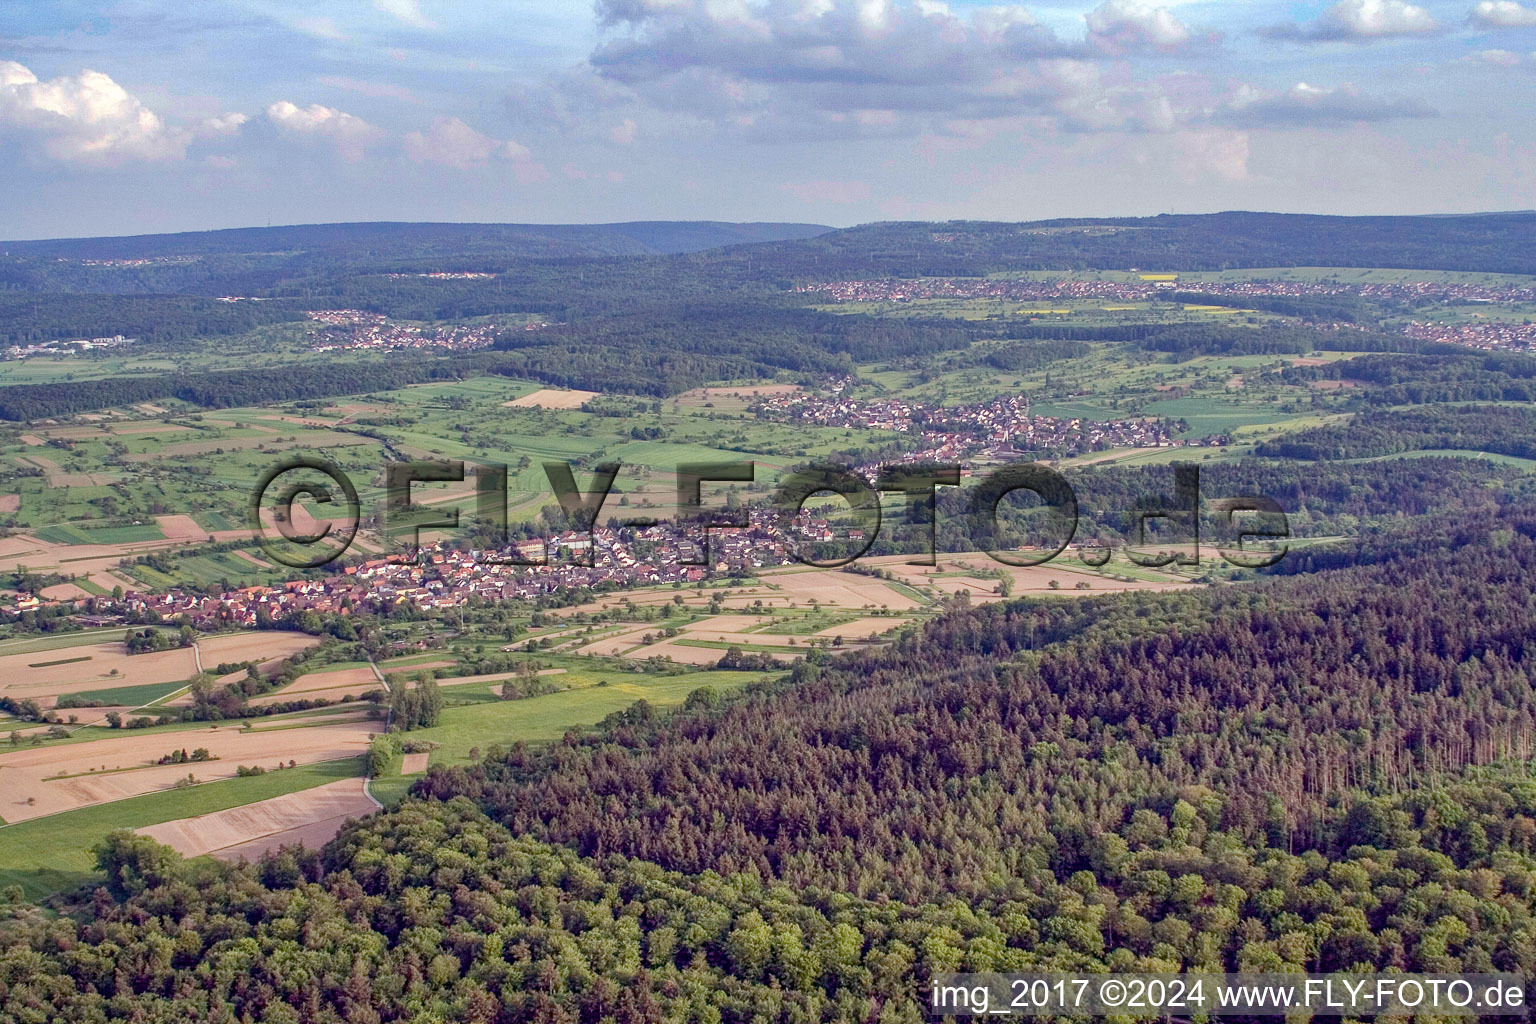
(1001, 429)
(440, 575)
(353, 329)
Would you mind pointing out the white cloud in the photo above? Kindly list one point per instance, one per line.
(1120, 25)
(1362, 20)
(86, 117)
(405, 11)
(792, 69)
(453, 143)
(1503, 14)
(350, 134)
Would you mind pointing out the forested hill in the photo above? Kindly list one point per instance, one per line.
(406, 239)
(1495, 242)
(1036, 733)
(576, 268)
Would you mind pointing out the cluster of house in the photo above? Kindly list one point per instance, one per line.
(348, 329)
(1488, 334)
(141, 261)
(450, 275)
(440, 576)
(1011, 289)
(1003, 428)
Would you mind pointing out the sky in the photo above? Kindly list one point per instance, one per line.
(141, 116)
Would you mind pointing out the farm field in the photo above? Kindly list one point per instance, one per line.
(311, 817)
(46, 676)
(53, 853)
(46, 780)
(549, 398)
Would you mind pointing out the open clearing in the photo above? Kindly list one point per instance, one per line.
(47, 780)
(411, 764)
(954, 574)
(240, 444)
(40, 555)
(311, 817)
(552, 398)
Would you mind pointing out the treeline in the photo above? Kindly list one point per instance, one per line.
(670, 348)
(30, 318)
(1348, 308)
(433, 912)
(603, 271)
(1440, 373)
(655, 352)
(1189, 340)
(1034, 355)
(1220, 241)
(222, 389)
(1327, 499)
(1502, 430)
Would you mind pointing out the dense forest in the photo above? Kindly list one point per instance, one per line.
(28, 319)
(1439, 373)
(1328, 499)
(583, 269)
(656, 351)
(222, 389)
(1347, 308)
(1502, 430)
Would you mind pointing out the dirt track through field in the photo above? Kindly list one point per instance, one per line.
(312, 817)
